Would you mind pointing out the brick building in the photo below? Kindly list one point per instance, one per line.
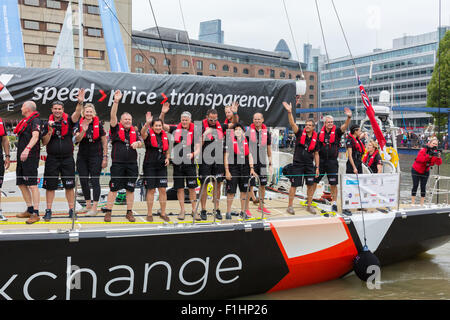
(180, 55)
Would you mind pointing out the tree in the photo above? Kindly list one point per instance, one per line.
(439, 87)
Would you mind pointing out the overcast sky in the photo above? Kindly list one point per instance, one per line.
(262, 23)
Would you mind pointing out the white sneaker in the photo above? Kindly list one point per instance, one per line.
(290, 210)
(2, 217)
(91, 213)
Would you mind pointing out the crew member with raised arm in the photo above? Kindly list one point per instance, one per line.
(211, 162)
(92, 155)
(329, 140)
(125, 139)
(156, 161)
(186, 147)
(4, 164)
(260, 142)
(28, 130)
(306, 154)
(57, 136)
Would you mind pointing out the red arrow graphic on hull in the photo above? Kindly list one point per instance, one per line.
(103, 95)
(165, 98)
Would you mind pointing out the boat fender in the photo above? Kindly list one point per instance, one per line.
(363, 261)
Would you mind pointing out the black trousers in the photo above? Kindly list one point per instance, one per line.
(89, 169)
(419, 178)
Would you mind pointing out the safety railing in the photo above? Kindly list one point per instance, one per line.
(439, 192)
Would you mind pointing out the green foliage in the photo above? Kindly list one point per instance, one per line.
(438, 90)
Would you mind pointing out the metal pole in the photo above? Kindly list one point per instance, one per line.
(80, 34)
(74, 215)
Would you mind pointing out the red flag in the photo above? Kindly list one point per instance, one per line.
(371, 114)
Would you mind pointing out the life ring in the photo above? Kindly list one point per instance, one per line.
(394, 156)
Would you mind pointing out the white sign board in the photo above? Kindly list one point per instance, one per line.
(374, 190)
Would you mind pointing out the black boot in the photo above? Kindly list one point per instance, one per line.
(48, 215)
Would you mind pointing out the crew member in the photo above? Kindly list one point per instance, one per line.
(238, 162)
(4, 164)
(329, 140)
(156, 160)
(425, 160)
(372, 158)
(57, 136)
(211, 163)
(186, 147)
(306, 154)
(92, 155)
(125, 139)
(229, 115)
(28, 130)
(260, 141)
(355, 150)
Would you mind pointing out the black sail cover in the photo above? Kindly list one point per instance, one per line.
(144, 92)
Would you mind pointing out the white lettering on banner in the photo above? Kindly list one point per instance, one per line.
(200, 267)
(134, 96)
(370, 190)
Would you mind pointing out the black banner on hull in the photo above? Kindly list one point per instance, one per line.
(144, 92)
(203, 265)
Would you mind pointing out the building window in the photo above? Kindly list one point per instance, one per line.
(311, 78)
(29, 24)
(152, 60)
(53, 27)
(199, 65)
(199, 73)
(166, 62)
(261, 72)
(212, 66)
(245, 71)
(311, 87)
(51, 50)
(139, 70)
(138, 58)
(235, 70)
(53, 4)
(94, 32)
(94, 54)
(93, 9)
(272, 73)
(31, 48)
(311, 96)
(282, 74)
(31, 3)
(225, 68)
(290, 76)
(185, 64)
(298, 77)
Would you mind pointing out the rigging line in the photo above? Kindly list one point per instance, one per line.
(293, 39)
(439, 86)
(188, 42)
(345, 37)
(325, 45)
(159, 35)
(130, 36)
(354, 65)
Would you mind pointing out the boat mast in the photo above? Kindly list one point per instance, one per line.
(80, 34)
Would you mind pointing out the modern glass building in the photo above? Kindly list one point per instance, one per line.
(405, 71)
(211, 31)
